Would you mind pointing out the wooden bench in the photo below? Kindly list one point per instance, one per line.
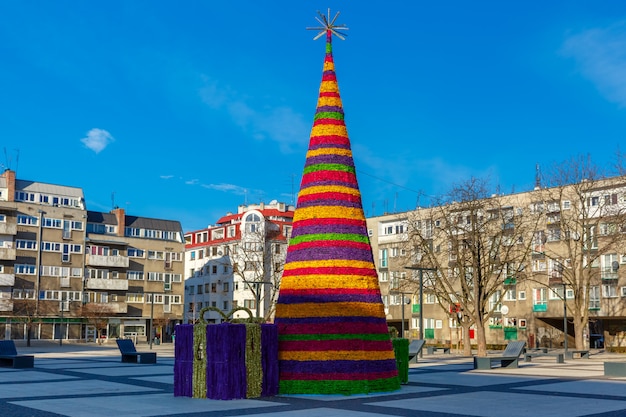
(614, 368)
(580, 354)
(508, 359)
(432, 349)
(415, 347)
(10, 357)
(529, 356)
(130, 354)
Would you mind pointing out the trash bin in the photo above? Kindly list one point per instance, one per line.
(157, 341)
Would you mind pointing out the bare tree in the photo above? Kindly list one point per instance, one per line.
(97, 315)
(25, 311)
(259, 263)
(477, 243)
(586, 214)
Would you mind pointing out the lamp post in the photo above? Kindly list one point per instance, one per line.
(61, 324)
(564, 318)
(151, 316)
(421, 296)
(402, 303)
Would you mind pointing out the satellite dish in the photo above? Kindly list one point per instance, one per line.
(504, 310)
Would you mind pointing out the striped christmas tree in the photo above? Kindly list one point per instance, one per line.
(333, 336)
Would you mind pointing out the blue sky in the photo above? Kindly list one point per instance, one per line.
(185, 110)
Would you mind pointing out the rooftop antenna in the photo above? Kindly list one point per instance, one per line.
(17, 158)
(537, 177)
(113, 200)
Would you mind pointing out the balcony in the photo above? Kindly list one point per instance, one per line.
(8, 229)
(108, 261)
(540, 308)
(609, 274)
(113, 307)
(7, 254)
(106, 284)
(7, 280)
(6, 305)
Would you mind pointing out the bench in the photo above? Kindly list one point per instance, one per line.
(614, 368)
(130, 354)
(529, 356)
(415, 347)
(432, 349)
(10, 357)
(508, 359)
(570, 354)
(536, 350)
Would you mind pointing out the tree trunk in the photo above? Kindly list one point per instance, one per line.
(481, 339)
(467, 342)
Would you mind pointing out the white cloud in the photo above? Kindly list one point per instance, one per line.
(601, 57)
(97, 139)
(166, 177)
(279, 124)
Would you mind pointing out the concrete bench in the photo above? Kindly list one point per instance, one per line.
(537, 350)
(529, 356)
(415, 347)
(130, 354)
(576, 354)
(10, 357)
(508, 359)
(614, 368)
(432, 349)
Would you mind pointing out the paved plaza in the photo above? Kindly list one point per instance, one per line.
(87, 380)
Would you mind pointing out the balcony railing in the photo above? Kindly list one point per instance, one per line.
(609, 273)
(110, 261)
(7, 254)
(7, 280)
(106, 284)
(540, 308)
(6, 305)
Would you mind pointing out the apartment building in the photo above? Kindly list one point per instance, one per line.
(237, 262)
(565, 266)
(70, 273)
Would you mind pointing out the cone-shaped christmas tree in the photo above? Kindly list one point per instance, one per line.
(333, 336)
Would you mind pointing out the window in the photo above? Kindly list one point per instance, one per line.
(226, 287)
(27, 220)
(134, 275)
(251, 304)
(623, 291)
(566, 205)
(540, 296)
(383, 276)
(594, 298)
(609, 290)
(135, 253)
(384, 253)
(230, 231)
(252, 221)
(494, 301)
(522, 295)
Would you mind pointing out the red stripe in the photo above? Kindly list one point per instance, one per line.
(340, 176)
(329, 94)
(332, 328)
(329, 140)
(333, 270)
(338, 376)
(326, 345)
(328, 122)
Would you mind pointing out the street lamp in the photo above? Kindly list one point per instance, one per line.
(402, 303)
(421, 273)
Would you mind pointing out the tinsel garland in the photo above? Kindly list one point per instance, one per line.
(254, 369)
(200, 359)
(401, 350)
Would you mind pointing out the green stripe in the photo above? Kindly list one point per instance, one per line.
(328, 115)
(328, 167)
(329, 236)
(296, 337)
(339, 387)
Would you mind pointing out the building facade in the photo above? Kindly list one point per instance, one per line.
(70, 273)
(237, 262)
(569, 270)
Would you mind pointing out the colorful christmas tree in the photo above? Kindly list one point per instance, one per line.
(333, 335)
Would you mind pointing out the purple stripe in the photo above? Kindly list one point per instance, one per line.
(331, 252)
(335, 109)
(324, 367)
(328, 72)
(330, 320)
(329, 228)
(330, 158)
(329, 203)
(325, 298)
(329, 145)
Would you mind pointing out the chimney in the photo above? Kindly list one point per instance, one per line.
(10, 177)
(120, 216)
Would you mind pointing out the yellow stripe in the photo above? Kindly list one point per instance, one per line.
(336, 355)
(325, 130)
(328, 212)
(342, 309)
(339, 263)
(329, 101)
(318, 189)
(329, 87)
(300, 282)
(329, 151)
